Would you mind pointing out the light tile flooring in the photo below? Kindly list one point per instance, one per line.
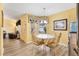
(15, 47)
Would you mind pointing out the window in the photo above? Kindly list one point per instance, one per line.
(42, 26)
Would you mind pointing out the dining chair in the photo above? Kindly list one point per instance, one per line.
(36, 41)
(55, 42)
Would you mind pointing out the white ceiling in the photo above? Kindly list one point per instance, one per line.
(15, 10)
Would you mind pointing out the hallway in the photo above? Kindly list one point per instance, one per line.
(15, 47)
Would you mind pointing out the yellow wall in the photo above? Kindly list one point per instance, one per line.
(0, 14)
(25, 29)
(70, 15)
(26, 34)
(1, 31)
(10, 25)
(1, 41)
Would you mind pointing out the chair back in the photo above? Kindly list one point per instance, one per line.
(58, 38)
(54, 42)
(36, 40)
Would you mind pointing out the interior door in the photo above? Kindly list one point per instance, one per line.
(78, 28)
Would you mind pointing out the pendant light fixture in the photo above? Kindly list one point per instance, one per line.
(44, 21)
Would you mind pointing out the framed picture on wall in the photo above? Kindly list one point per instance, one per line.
(73, 27)
(60, 24)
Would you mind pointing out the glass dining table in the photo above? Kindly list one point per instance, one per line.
(44, 37)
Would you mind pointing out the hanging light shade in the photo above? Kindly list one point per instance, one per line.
(45, 22)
